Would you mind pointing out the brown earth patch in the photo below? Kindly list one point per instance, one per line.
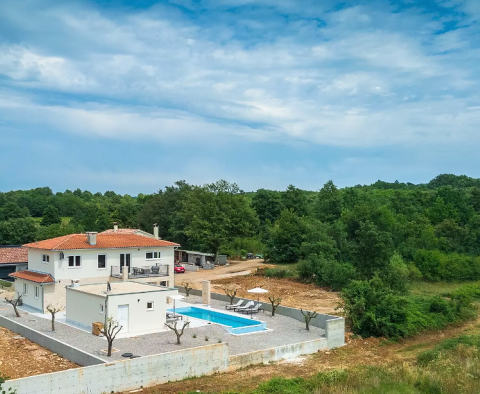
(20, 357)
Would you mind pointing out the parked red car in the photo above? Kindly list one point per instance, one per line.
(179, 269)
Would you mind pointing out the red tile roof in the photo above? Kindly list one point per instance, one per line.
(104, 241)
(32, 276)
(13, 255)
(121, 231)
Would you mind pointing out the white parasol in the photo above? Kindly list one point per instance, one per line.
(258, 290)
(176, 297)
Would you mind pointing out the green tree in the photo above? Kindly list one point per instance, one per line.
(17, 231)
(328, 205)
(286, 237)
(268, 205)
(216, 214)
(296, 200)
(50, 216)
(372, 249)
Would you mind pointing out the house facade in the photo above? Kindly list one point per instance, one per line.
(113, 255)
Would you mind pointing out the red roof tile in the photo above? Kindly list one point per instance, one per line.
(13, 255)
(32, 276)
(104, 241)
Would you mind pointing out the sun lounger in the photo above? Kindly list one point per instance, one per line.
(252, 310)
(237, 305)
(247, 306)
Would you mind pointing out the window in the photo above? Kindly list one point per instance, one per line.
(25, 288)
(74, 261)
(45, 258)
(152, 255)
(102, 261)
(101, 309)
(37, 291)
(150, 306)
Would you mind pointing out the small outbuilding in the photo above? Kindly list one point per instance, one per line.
(139, 307)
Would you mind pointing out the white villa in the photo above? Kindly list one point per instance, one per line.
(113, 255)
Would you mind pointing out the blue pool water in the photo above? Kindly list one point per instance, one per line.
(233, 324)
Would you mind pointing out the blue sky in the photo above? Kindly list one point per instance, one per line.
(133, 95)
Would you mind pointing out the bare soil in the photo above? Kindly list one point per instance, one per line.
(294, 294)
(20, 357)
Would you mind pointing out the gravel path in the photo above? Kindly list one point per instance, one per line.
(284, 330)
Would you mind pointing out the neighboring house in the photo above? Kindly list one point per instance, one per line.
(113, 255)
(138, 307)
(12, 258)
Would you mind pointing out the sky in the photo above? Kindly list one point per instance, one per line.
(132, 96)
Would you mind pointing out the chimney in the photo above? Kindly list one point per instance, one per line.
(115, 226)
(92, 237)
(155, 231)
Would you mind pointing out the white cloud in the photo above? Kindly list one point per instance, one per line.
(366, 77)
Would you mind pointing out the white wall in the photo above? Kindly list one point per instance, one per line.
(83, 309)
(29, 298)
(89, 260)
(141, 320)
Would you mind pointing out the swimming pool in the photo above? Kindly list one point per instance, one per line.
(233, 324)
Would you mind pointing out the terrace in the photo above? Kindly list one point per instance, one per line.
(148, 271)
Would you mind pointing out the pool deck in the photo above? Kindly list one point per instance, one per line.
(282, 330)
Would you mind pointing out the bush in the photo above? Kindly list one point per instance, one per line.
(436, 266)
(374, 309)
(278, 273)
(4, 283)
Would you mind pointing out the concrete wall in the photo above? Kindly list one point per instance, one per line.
(333, 325)
(89, 261)
(69, 352)
(129, 374)
(278, 353)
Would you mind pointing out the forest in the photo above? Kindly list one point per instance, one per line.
(370, 241)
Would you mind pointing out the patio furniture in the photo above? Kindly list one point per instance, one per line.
(146, 271)
(247, 306)
(252, 310)
(155, 269)
(237, 305)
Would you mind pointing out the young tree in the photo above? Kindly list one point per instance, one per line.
(188, 285)
(275, 301)
(307, 315)
(110, 330)
(14, 301)
(53, 311)
(231, 291)
(177, 330)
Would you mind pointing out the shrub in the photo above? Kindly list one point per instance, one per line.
(278, 273)
(374, 309)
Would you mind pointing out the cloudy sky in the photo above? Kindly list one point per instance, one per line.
(133, 95)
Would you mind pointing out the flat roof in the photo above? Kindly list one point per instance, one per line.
(117, 288)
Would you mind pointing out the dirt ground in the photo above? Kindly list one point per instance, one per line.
(20, 358)
(371, 351)
(293, 293)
